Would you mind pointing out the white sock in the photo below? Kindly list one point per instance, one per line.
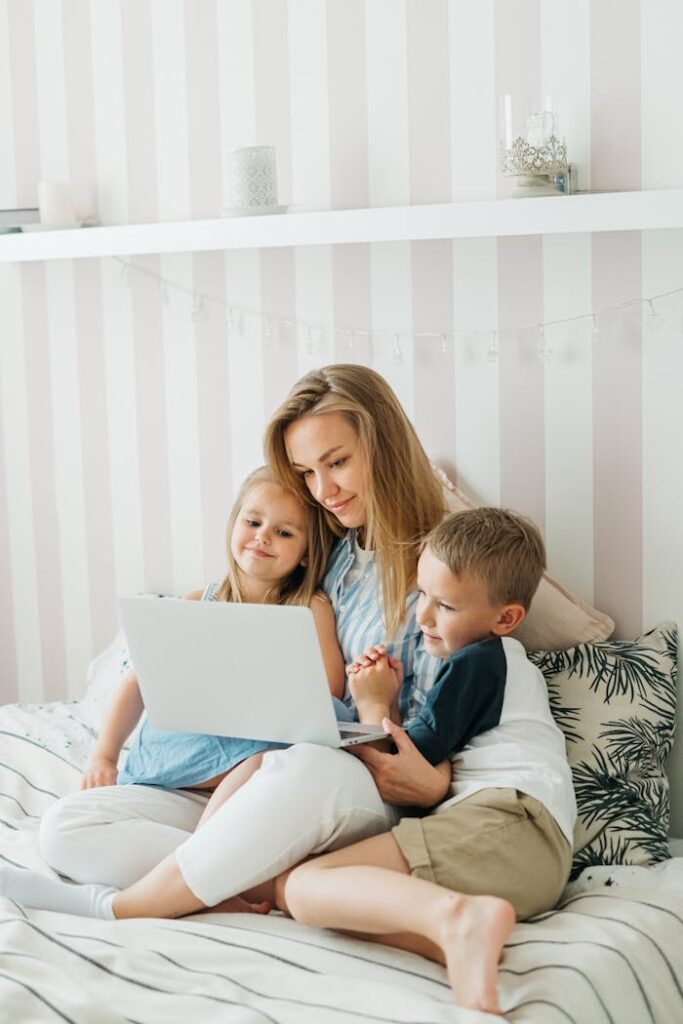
(32, 889)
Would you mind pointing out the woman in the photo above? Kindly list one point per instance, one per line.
(364, 464)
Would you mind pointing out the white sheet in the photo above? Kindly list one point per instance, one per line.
(613, 953)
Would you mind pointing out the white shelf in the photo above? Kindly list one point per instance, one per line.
(613, 211)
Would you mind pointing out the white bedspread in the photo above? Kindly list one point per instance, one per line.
(613, 952)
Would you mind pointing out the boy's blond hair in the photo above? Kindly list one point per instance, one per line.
(502, 549)
(304, 580)
(404, 497)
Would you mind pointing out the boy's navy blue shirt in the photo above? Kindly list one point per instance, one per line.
(466, 700)
(488, 712)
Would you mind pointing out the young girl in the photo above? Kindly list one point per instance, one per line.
(276, 555)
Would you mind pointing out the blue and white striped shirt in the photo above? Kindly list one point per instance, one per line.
(359, 618)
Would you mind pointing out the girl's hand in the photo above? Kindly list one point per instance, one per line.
(100, 772)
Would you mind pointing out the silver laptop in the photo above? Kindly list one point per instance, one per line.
(248, 670)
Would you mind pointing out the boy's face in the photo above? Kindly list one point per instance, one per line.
(453, 611)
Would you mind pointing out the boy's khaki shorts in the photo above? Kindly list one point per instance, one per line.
(497, 842)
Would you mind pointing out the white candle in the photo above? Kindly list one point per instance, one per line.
(55, 201)
(253, 176)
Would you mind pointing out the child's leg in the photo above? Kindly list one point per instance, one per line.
(235, 778)
(367, 888)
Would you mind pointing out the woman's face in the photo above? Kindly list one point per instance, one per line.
(325, 450)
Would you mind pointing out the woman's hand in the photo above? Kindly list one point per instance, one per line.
(405, 778)
(100, 772)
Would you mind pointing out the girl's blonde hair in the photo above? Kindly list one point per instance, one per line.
(404, 497)
(302, 584)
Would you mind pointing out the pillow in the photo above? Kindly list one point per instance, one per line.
(104, 675)
(615, 703)
(556, 619)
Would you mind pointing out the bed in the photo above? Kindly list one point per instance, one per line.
(612, 951)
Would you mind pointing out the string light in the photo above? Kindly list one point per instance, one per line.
(237, 316)
(197, 305)
(492, 350)
(595, 330)
(545, 353)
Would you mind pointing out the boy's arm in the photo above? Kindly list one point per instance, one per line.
(465, 701)
(323, 613)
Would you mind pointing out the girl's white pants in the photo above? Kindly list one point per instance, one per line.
(303, 800)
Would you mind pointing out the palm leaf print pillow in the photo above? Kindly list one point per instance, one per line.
(615, 703)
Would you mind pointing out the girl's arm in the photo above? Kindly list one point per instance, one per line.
(122, 717)
(323, 614)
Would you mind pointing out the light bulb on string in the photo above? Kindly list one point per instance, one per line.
(545, 354)
(443, 347)
(595, 330)
(351, 340)
(268, 330)
(124, 272)
(197, 305)
(492, 351)
(398, 351)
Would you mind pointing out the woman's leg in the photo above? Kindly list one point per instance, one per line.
(103, 838)
(116, 834)
(368, 889)
(233, 781)
(304, 800)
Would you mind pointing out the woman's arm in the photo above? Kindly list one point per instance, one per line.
(323, 613)
(406, 777)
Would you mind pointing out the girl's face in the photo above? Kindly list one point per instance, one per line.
(325, 450)
(269, 537)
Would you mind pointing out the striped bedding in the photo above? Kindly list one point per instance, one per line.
(612, 952)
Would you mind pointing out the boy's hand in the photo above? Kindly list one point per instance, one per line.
(374, 690)
(371, 656)
(368, 658)
(100, 772)
(406, 777)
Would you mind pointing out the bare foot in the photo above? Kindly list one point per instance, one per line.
(474, 931)
(237, 905)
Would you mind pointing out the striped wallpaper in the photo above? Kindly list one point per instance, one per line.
(127, 419)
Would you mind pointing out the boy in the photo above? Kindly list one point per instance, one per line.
(449, 885)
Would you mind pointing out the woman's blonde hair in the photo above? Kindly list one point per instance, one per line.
(302, 584)
(404, 497)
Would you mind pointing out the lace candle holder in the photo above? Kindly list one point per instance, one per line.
(253, 178)
(532, 150)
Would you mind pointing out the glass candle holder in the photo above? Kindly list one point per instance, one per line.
(532, 150)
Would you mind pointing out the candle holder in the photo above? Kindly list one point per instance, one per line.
(253, 179)
(532, 150)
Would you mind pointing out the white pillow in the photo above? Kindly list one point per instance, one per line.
(557, 619)
(104, 675)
